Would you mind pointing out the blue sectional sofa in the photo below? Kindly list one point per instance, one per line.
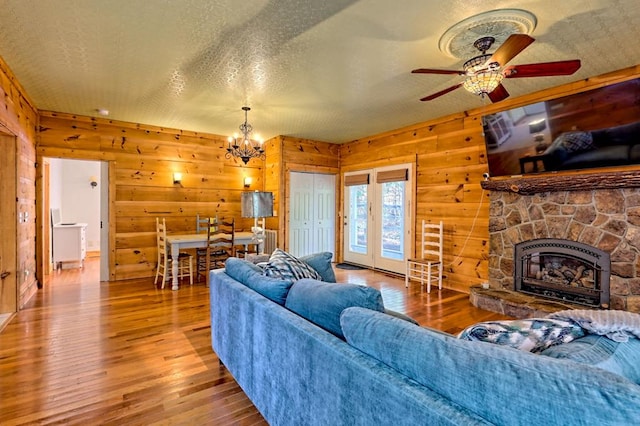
(304, 357)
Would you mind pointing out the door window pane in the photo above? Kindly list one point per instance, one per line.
(358, 213)
(393, 203)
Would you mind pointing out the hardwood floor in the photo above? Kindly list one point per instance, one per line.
(125, 353)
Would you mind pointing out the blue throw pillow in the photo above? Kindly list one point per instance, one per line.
(622, 358)
(240, 270)
(482, 377)
(321, 262)
(286, 266)
(251, 275)
(322, 303)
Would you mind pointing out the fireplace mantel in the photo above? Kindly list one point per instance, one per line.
(551, 182)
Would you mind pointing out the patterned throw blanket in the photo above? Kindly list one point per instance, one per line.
(533, 335)
(618, 326)
(537, 334)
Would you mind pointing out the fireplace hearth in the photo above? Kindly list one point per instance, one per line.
(563, 270)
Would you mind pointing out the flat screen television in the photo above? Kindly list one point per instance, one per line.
(592, 129)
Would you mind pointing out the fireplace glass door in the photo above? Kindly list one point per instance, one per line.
(563, 270)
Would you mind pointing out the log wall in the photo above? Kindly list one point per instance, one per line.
(19, 118)
(288, 154)
(142, 162)
(450, 158)
(449, 154)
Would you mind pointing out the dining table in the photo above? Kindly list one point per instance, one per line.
(190, 241)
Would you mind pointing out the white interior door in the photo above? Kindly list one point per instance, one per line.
(311, 213)
(378, 215)
(324, 209)
(300, 213)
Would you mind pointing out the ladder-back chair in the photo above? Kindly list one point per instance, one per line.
(202, 225)
(429, 265)
(185, 260)
(220, 247)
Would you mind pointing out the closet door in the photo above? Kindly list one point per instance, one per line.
(311, 213)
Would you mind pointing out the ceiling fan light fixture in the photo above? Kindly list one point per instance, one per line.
(475, 64)
(483, 83)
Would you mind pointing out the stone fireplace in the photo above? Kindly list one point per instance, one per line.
(605, 218)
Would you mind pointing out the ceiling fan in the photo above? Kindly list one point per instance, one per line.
(484, 73)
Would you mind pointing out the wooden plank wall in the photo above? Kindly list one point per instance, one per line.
(448, 152)
(450, 158)
(143, 159)
(19, 117)
(288, 154)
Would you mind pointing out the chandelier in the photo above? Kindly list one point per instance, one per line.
(482, 78)
(243, 146)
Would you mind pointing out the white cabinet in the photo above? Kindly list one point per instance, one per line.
(69, 243)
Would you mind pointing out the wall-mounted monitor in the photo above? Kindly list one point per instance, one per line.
(592, 129)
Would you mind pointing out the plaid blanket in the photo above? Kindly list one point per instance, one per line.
(533, 335)
(618, 326)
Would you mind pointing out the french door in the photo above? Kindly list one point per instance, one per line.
(377, 206)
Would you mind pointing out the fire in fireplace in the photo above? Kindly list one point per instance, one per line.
(563, 270)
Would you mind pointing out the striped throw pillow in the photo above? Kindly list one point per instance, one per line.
(285, 266)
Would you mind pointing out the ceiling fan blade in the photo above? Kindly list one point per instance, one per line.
(498, 94)
(542, 69)
(440, 93)
(436, 71)
(513, 45)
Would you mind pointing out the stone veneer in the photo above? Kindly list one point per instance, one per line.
(608, 219)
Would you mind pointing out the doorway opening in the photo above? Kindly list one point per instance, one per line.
(75, 211)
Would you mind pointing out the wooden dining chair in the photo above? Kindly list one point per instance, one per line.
(202, 225)
(258, 237)
(185, 260)
(429, 265)
(202, 222)
(220, 247)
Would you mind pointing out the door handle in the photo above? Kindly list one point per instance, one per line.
(4, 275)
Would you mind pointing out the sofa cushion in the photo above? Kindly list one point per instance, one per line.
(286, 266)
(483, 377)
(401, 316)
(322, 303)
(622, 358)
(251, 275)
(321, 262)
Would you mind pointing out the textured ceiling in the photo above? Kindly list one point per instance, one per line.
(334, 70)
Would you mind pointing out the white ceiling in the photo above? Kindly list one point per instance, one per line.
(333, 70)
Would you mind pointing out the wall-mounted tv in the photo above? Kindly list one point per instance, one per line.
(591, 129)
